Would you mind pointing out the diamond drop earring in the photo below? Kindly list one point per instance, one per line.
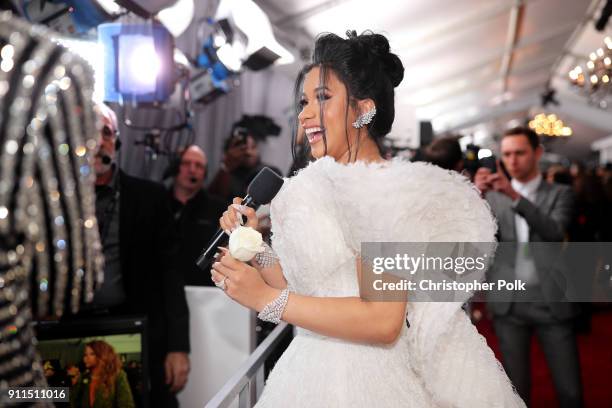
(364, 118)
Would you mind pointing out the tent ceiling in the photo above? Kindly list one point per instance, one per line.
(466, 61)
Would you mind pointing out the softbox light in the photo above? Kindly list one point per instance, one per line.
(138, 62)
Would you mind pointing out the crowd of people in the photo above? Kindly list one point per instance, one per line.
(591, 186)
(151, 236)
(536, 204)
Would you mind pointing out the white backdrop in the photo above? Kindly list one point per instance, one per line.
(221, 333)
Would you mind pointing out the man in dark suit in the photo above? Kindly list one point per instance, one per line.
(195, 211)
(139, 243)
(528, 209)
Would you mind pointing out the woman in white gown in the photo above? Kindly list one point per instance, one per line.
(350, 352)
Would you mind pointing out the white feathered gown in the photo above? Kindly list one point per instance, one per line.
(319, 219)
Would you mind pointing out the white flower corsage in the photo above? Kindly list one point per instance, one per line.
(245, 243)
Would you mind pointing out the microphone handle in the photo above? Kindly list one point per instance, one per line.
(219, 239)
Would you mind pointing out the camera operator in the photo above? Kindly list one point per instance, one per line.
(241, 163)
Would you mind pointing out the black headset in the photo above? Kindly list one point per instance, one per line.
(174, 167)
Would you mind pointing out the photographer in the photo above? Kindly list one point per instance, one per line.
(241, 159)
(528, 209)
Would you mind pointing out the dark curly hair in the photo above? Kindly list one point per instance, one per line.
(366, 67)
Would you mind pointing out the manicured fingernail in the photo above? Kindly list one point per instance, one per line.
(228, 232)
(236, 225)
(216, 255)
(222, 248)
(239, 207)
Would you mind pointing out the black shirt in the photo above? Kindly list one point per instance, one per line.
(197, 222)
(112, 291)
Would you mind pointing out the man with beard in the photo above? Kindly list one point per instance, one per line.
(138, 239)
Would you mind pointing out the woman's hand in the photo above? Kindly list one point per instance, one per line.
(232, 218)
(243, 283)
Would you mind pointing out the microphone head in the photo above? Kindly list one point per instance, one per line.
(264, 186)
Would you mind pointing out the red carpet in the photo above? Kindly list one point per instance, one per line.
(595, 349)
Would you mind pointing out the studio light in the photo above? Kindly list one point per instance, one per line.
(250, 31)
(230, 56)
(72, 16)
(177, 17)
(138, 62)
(139, 65)
(146, 8)
(241, 38)
(262, 47)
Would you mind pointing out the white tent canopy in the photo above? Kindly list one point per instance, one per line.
(470, 62)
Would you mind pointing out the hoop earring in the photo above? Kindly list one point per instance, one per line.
(365, 118)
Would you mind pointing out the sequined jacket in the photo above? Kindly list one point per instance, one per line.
(50, 258)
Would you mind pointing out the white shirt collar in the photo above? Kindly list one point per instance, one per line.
(529, 187)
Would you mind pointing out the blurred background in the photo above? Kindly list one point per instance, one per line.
(473, 69)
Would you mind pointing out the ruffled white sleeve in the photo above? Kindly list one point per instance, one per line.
(457, 366)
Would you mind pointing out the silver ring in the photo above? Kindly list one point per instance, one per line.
(221, 284)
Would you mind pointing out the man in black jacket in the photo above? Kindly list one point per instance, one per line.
(196, 212)
(139, 243)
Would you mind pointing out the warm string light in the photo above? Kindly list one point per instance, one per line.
(549, 125)
(594, 77)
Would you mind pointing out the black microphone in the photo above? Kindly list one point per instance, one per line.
(261, 190)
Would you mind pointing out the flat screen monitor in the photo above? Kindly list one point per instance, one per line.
(62, 346)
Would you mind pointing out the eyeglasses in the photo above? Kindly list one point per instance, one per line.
(108, 133)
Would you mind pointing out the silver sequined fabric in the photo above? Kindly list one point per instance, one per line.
(50, 258)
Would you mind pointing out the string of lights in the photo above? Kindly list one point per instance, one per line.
(549, 125)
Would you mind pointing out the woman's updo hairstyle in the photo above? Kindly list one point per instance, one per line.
(366, 66)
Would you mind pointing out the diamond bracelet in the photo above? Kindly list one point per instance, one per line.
(266, 258)
(273, 311)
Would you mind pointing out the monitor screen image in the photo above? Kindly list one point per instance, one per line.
(71, 351)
